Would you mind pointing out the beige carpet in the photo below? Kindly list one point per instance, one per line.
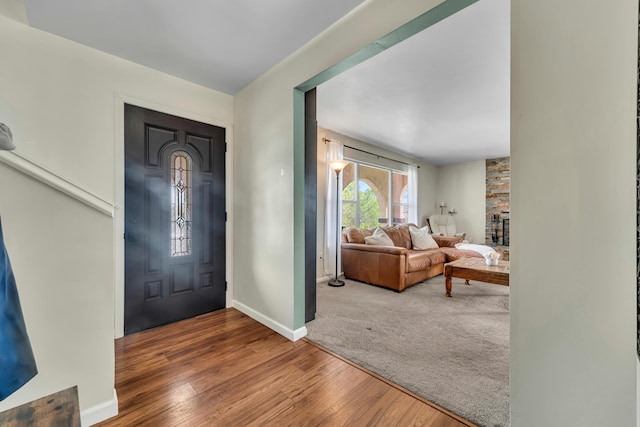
(451, 351)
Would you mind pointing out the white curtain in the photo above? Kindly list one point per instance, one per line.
(334, 152)
(413, 194)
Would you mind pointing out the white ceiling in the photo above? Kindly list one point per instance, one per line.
(223, 45)
(441, 95)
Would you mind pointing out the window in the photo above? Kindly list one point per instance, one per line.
(180, 204)
(370, 193)
(349, 200)
(400, 197)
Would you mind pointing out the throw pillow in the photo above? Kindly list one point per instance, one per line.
(406, 236)
(378, 238)
(394, 235)
(421, 238)
(353, 235)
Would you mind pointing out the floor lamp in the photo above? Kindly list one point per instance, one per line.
(337, 166)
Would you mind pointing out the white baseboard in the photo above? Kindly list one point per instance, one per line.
(100, 412)
(321, 280)
(293, 335)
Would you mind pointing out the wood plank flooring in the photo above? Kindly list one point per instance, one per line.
(225, 369)
(57, 409)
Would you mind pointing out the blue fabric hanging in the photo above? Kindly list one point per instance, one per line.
(17, 364)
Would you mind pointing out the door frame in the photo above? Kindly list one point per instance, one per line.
(118, 228)
(301, 286)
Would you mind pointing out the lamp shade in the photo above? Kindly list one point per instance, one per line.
(338, 165)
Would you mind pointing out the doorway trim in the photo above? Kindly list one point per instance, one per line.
(118, 225)
(416, 25)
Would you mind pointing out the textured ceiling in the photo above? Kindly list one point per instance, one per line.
(441, 95)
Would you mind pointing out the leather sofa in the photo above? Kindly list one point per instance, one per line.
(396, 267)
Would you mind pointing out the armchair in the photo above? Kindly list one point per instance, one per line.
(445, 226)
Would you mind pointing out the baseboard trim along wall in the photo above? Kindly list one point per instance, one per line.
(100, 412)
(293, 335)
(321, 280)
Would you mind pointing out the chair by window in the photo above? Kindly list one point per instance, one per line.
(444, 225)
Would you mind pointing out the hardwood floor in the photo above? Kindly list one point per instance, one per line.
(225, 369)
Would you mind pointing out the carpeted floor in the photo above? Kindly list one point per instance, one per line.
(451, 351)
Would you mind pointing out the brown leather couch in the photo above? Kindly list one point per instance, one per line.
(395, 267)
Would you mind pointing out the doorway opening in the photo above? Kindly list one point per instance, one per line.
(302, 215)
(305, 147)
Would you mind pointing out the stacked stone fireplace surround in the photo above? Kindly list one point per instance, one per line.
(498, 204)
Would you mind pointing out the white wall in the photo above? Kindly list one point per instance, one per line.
(573, 155)
(463, 187)
(573, 162)
(63, 103)
(426, 185)
(264, 154)
(65, 281)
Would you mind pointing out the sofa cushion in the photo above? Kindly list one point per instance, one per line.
(406, 236)
(453, 254)
(357, 235)
(421, 260)
(421, 238)
(379, 238)
(447, 241)
(395, 235)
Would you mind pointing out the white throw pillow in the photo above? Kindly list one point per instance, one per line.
(421, 239)
(379, 238)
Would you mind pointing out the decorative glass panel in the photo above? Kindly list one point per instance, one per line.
(180, 204)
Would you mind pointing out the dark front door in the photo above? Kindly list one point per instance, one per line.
(174, 218)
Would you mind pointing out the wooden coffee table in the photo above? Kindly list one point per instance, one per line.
(476, 269)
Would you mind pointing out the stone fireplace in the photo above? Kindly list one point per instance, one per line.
(498, 204)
